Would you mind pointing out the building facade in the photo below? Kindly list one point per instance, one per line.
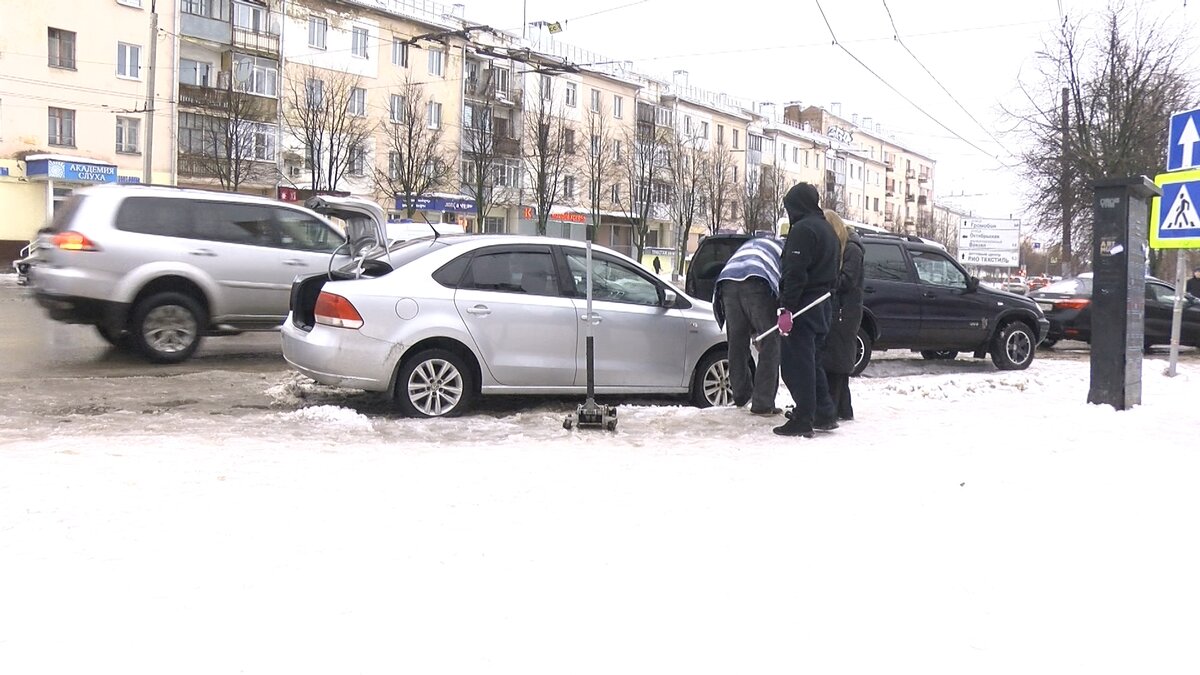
(75, 105)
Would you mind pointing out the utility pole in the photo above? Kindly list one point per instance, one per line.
(1065, 253)
(148, 157)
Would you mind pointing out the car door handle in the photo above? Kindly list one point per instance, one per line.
(929, 294)
(479, 310)
(207, 252)
(295, 262)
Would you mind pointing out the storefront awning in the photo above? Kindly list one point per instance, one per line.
(69, 169)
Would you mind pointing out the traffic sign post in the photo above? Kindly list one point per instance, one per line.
(1174, 223)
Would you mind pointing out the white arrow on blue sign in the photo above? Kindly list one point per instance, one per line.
(1183, 142)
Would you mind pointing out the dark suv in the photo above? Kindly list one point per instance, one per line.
(916, 296)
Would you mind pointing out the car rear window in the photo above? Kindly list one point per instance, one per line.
(885, 262)
(155, 215)
(1069, 287)
(63, 215)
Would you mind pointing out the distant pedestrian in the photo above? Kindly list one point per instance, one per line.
(744, 300)
(809, 269)
(1193, 284)
(841, 346)
(657, 265)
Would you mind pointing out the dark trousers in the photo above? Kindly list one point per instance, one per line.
(749, 310)
(839, 391)
(801, 367)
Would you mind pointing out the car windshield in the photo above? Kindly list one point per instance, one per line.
(1075, 286)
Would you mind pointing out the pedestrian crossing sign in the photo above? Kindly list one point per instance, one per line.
(1174, 219)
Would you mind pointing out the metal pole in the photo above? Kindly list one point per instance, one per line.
(148, 158)
(1065, 196)
(1177, 315)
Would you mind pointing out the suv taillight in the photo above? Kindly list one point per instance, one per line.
(72, 241)
(334, 310)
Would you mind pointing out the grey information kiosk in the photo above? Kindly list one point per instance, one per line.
(1119, 245)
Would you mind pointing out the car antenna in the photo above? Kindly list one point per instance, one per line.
(431, 226)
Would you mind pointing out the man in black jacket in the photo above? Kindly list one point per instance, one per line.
(809, 268)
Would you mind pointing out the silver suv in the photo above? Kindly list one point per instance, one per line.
(157, 268)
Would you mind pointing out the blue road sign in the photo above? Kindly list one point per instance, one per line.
(1174, 220)
(1183, 141)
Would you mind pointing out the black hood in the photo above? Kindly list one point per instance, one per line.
(802, 200)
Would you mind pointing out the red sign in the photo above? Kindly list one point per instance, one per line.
(287, 194)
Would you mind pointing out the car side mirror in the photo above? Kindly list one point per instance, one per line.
(669, 297)
(972, 284)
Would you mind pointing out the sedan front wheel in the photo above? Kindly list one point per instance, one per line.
(710, 384)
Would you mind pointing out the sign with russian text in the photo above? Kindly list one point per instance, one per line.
(71, 172)
(452, 204)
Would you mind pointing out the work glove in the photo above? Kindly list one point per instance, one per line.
(784, 321)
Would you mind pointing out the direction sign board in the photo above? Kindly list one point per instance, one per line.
(1174, 221)
(1183, 141)
(994, 242)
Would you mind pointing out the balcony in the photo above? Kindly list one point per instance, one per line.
(261, 42)
(910, 174)
(909, 197)
(922, 200)
(229, 103)
(888, 218)
(507, 146)
(924, 178)
(205, 27)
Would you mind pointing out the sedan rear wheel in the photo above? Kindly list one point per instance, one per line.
(710, 384)
(434, 383)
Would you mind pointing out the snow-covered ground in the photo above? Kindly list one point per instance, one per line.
(969, 522)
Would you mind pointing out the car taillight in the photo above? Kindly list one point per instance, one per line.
(73, 241)
(1072, 303)
(334, 310)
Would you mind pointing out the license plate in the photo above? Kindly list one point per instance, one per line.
(1046, 306)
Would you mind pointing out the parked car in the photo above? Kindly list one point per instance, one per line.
(157, 268)
(1016, 285)
(436, 321)
(916, 296)
(1067, 305)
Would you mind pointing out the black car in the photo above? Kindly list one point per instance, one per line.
(1067, 305)
(916, 296)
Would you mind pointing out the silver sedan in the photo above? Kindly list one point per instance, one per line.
(437, 321)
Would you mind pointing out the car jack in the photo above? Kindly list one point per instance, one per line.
(591, 415)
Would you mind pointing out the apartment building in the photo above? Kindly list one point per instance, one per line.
(74, 109)
(490, 166)
(907, 174)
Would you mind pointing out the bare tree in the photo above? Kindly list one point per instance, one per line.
(547, 149)
(599, 164)
(643, 170)
(686, 169)
(418, 161)
(1122, 84)
(718, 186)
(762, 197)
(326, 114)
(480, 152)
(231, 142)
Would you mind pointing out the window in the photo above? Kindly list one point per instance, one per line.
(314, 92)
(248, 17)
(318, 27)
(248, 224)
(884, 262)
(493, 225)
(735, 177)
(616, 193)
(396, 109)
(357, 165)
(612, 281)
(437, 62)
(399, 52)
(153, 215)
(127, 134)
(466, 172)
(508, 173)
(687, 124)
(299, 231)
(720, 134)
(358, 102)
(394, 165)
(500, 79)
(735, 139)
(569, 187)
(796, 156)
(256, 76)
(62, 127)
(130, 3)
(597, 145)
(704, 130)
(196, 73)
(434, 117)
(529, 272)
(358, 42)
(61, 48)
(938, 270)
(616, 150)
(618, 109)
(128, 58)
(660, 193)
(754, 142)
(569, 141)
(544, 87)
(262, 142)
(595, 100)
(572, 94)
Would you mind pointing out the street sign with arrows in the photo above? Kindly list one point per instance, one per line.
(1183, 141)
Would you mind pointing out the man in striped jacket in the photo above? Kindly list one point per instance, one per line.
(744, 301)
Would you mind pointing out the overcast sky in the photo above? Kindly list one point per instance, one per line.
(771, 50)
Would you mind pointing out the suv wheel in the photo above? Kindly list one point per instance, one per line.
(939, 355)
(862, 352)
(710, 384)
(1013, 347)
(434, 383)
(166, 327)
